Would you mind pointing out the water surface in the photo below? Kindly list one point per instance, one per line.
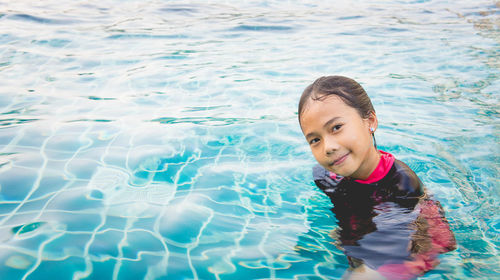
(155, 139)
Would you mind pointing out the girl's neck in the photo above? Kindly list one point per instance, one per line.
(368, 166)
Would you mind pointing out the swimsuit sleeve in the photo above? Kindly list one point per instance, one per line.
(407, 182)
(323, 180)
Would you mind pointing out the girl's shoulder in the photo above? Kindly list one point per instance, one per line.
(405, 180)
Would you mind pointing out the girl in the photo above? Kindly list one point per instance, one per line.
(388, 227)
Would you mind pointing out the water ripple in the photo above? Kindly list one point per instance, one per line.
(264, 28)
(42, 20)
(214, 121)
(145, 36)
(15, 121)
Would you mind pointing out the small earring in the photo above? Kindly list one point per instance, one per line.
(371, 129)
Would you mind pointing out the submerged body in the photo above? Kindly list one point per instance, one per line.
(387, 224)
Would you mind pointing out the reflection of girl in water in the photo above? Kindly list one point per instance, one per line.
(388, 227)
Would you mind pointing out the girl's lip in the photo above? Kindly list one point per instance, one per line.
(340, 160)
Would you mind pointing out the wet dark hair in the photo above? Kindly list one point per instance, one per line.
(350, 91)
(347, 89)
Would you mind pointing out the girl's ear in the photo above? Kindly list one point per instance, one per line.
(372, 122)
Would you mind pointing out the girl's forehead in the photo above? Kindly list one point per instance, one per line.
(331, 103)
(316, 112)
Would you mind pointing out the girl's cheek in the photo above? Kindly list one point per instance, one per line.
(317, 154)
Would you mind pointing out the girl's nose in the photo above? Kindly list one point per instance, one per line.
(331, 145)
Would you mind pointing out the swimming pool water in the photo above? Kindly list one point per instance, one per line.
(158, 139)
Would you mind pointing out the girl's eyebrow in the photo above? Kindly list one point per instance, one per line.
(310, 134)
(332, 120)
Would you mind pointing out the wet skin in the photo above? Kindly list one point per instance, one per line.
(340, 139)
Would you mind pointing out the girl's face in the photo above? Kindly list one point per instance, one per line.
(340, 139)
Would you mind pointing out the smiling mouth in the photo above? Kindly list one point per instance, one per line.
(339, 160)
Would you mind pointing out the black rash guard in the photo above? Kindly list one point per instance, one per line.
(385, 221)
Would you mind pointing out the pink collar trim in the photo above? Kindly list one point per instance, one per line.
(383, 167)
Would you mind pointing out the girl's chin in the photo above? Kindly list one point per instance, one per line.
(339, 172)
(341, 168)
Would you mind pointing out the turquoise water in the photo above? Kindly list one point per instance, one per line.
(158, 139)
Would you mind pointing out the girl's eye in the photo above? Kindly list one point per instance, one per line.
(336, 127)
(313, 141)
